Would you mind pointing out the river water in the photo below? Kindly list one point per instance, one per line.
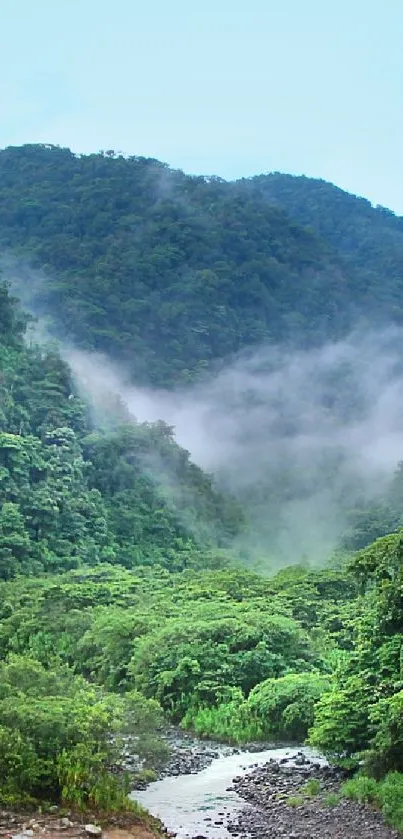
(200, 804)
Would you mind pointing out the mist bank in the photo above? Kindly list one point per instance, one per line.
(304, 440)
(301, 439)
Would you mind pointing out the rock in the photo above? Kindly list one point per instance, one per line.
(93, 829)
(33, 824)
(65, 823)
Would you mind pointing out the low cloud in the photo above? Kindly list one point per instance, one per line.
(299, 438)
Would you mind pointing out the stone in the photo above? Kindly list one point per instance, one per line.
(93, 829)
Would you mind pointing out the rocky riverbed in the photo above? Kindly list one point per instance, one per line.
(189, 754)
(297, 799)
(209, 791)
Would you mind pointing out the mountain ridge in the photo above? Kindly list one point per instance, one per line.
(173, 273)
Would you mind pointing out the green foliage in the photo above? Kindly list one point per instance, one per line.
(72, 495)
(178, 637)
(386, 717)
(307, 791)
(311, 788)
(284, 707)
(59, 736)
(118, 596)
(145, 776)
(191, 661)
(341, 726)
(386, 794)
(362, 789)
(280, 708)
(368, 240)
(171, 272)
(295, 800)
(85, 783)
(391, 796)
(165, 271)
(228, 720)
(361, 716)
(332, 799)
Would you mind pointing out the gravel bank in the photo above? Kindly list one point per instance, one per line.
(269, 788)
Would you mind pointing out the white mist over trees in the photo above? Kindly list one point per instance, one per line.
(304, 440)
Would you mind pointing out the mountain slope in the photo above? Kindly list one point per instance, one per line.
(167, 272)
(172, 273)
(369, 239)
(71, 493)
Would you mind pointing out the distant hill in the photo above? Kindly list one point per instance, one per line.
(369, 239)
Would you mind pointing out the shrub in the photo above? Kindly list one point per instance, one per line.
(341, 727)
(294, 800)
(361, 788)
(284, 708)
(60, 736)
(386, 751)
(311, 788)
(391, 795)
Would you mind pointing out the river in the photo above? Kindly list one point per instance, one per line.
(200, 804)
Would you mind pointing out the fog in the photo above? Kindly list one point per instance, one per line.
(299, 438)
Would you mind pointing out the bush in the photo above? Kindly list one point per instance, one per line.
(294, 800)
(229, 720)
(20, 766)
(191, 662)
(86, 783)
(386, 794)
(284, 708)
(362, 789)
(311, 788)
(391, 795)
(60, 736)
(387, 745)
(279, 709)
(341, 726)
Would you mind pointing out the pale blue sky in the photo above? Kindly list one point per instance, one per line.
(223, 87)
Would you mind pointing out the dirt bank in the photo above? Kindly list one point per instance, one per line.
(36, 824)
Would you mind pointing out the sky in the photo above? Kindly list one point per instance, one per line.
(225, 87)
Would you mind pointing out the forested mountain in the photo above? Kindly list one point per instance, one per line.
(166, 271)
(122, 605)
(370, 239)
(172, 273)
(73, 493)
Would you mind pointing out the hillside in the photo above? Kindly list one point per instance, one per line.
(168, 272)
(172, 273)
(72, 492)
(369, 239)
